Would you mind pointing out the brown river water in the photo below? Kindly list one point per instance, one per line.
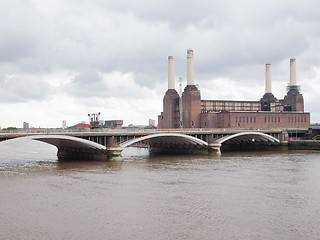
(255, 195)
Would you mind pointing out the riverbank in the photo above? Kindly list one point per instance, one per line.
(304, 145)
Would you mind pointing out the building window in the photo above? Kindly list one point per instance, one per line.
(247, 119)
(295, 119)
(305, 119)
(265, 119)
(292, 119)
(268, 119)
(239, 119)
(236, 119)
(251, 119)
(254, 119)
(244, 119)
(289, 119)
(275, 119)
(278, 119)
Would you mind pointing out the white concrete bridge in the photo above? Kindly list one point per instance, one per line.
(110, 147)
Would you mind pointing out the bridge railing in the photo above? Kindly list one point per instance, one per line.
(104, 130)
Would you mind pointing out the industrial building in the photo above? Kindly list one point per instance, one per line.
(190, 111)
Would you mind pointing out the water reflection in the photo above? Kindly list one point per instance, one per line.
(87, 165)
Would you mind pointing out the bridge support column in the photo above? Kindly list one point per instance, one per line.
(284, 138)
(214, 148)
(113, 151)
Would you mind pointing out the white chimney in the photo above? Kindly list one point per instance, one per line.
(190, 69)
(171, 84)
(268, 78)
(293, 77)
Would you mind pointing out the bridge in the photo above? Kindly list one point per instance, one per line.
(109, 144)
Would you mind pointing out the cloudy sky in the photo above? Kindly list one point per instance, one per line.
(63, 59)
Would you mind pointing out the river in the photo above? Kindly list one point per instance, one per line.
(255, 195)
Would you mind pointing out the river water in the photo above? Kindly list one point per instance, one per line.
(256, 195)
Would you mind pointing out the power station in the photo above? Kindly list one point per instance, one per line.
(267, 113)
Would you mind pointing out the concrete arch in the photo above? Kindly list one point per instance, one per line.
(166, 138)
(257, 137)
(64, 142)
(73, 148)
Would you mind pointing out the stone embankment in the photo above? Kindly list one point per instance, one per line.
(304, 145)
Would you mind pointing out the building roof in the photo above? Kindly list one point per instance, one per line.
(82, 125)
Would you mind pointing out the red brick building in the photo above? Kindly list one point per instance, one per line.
(267, 113)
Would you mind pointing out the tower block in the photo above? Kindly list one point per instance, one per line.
(169, 118)
(191, 98)
(293, 101)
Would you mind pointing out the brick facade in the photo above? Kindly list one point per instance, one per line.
(255, 120)
(191, 107)
(169, 118)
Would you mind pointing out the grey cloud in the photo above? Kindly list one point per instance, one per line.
(19, 89)
(137, 36)
(88, 83)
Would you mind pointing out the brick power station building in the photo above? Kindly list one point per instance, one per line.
(267, 113)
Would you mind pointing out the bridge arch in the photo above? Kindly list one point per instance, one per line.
(248, 137)
(61, 141)
(167, 139)
(74, 148)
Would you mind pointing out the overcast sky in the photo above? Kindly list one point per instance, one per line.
(63, 59)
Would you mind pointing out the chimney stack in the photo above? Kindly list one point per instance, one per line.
(190, 69)
(293, 78)
(268, 78)
(171, 84)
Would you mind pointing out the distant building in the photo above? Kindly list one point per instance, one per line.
(114, 124)
(25, 125)
(131, 126)
(80, 126)
(152, 123)
(64, 124)
(269, 112)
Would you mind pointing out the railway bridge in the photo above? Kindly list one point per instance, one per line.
(105, 144)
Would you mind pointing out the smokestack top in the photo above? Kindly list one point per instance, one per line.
(171, 84)
(293, 76)
(190, 68)
(268, 78)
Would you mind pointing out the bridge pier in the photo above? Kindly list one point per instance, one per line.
(113, 153)
(113, 150)
(214, 148)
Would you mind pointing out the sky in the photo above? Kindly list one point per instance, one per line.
(65, 59)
